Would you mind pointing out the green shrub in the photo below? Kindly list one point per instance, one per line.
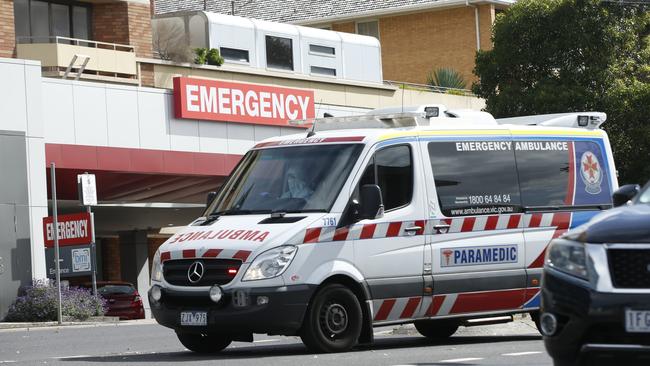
(208, 56)
(38, 303)
(445, 78)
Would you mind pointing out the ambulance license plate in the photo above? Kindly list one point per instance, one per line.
(194, 318)
(637, 321)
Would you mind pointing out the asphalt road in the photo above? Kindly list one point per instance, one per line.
(146, 343)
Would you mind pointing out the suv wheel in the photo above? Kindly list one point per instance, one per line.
(333, 321)
(204, 343)
(437, 329)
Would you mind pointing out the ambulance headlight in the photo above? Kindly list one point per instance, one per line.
(568, 256)
(270, 263)
(156, 268)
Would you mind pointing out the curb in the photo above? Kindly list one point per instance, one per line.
(91, 321)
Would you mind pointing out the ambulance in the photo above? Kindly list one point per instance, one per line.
(434, 217)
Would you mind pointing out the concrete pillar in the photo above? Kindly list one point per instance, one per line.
(134, 263)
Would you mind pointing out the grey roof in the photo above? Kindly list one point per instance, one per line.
(286, 11)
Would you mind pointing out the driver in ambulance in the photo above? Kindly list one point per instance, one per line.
(296, 185)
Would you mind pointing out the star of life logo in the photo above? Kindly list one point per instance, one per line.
(591, 173)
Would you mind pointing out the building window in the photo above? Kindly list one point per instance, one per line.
(233, 54)
(40, 21)
(322, 49)
(368, 28)
(323, 71)
(279, 53)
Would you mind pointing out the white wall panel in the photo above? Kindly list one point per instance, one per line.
(213, 137)
(58, 115)
(264, 132)
(36, 174)
(12, 96)
(154, 125)
(34, 98)
(122, 117)
(90, 114)
(241, 137)
(36, 214)
(184, 133)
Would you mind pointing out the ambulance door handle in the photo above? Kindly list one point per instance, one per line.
(412, 230)
(441, 228)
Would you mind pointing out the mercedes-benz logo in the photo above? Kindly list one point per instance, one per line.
(195, 272)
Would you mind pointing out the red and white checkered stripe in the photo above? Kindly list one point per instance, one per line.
(206, 253)
(559, 220)
(395, 309)
(386, 310)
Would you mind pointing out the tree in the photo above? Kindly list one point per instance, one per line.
(553, 56)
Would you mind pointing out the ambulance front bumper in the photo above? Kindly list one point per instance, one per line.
(268, 310)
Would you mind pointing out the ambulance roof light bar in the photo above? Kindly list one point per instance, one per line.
(393, 120)
(589, 120)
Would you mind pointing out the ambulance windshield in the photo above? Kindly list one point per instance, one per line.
(287, 179)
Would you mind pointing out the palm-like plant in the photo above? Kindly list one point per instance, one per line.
(445, 78)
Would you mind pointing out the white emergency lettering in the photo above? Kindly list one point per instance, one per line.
(232, 101)
(68, 229)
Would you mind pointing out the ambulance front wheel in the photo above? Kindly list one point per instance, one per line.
(437, 329)
(204, 343)
(333, 321)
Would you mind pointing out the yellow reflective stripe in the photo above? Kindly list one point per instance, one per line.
(478, 133)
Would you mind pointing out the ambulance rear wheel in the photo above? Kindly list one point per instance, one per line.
(333, 321)
(204, 343)
(437, 329)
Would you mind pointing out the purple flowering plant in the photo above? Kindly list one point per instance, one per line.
(38, 302)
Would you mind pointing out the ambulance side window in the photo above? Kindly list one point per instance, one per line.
(392, 170)
(562, 173)
(475, 177)
(543, 176)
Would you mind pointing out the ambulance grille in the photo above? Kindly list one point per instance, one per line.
(630, 268)
(215, 271)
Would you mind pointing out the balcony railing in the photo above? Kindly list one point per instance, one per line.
(81, 58)
(429, 88)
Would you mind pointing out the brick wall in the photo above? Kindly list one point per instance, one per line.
(344, 27)
(111, 259)
(147, 75)
(139, 18)
(486, 19)
(125, 23)
(7, 31)
(414, 44)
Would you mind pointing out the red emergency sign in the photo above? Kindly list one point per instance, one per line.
(74, 229)
(215, 100)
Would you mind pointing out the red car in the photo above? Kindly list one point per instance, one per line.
(122, 298)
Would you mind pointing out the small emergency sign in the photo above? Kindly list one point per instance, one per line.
(87, 189)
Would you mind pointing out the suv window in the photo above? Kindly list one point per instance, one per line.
(392, 170)
(475, 177)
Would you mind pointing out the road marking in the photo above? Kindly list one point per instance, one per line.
(266, 340)
(521, 353)
(8, 361)
(457, 360)
(67, 357)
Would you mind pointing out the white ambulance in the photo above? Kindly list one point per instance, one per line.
(436, 219)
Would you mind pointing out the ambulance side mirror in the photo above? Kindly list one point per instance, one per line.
(210, 198)
(371, 206)
(625, 193)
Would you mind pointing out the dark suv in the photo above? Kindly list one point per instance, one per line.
(596, 283)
